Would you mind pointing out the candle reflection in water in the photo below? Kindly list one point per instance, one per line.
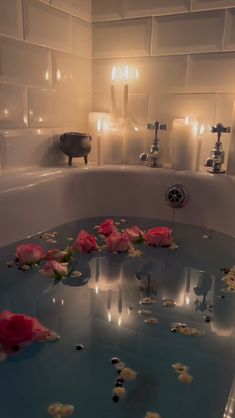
(97, 275)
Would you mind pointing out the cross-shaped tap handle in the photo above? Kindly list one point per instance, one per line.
(220, 129)
(156, 126)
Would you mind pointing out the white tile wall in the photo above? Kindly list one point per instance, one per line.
(26, 147)
(212, 73)
(211, 4)
(11, 18)
(194, 32)
(13, 113)
(45, 71)
(121, 38)
(24, 63)
(230, 30)
(46, 26)
(139, 8)
(107, 10)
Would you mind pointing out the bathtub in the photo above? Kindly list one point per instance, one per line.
(42, 199)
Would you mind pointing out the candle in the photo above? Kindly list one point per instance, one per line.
(183, 144)
(99, 128)
(135, 141)
(113, 109)
(97, 275)
(199, 147)
(93, 124)
(113, 144)
(231, 150)
(126, 92)
(109, 300)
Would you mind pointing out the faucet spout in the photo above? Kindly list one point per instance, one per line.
(153, 158)
(216, 159)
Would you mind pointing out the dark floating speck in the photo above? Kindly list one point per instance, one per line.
(118, 385)
(173, 330)
(207, 318)
(80, 347)
(115, 399)
(120, 380)
(130, 308)
(115, 360)
(222, 297)
(16, 348)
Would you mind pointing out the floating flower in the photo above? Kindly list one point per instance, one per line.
(180, 368)
(160, 236)
(58, 255)
(132, 253)
(135, 234)
(128, 374)
(168, 303)
(29, 254)
(17, 330)
(118, 242)
(151, 321)
(85, 242)
(185, 378)
(58, 410)
(54, 269)
(107, 227)
(147, 301)
(186, 330)
(144, 312)
(119, 391)
(152, 415)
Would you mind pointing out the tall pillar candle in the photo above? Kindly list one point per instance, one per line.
(113, 105)
(125, 92)
(135, 141)
(231, 151)
(113, 144)
(183, 144)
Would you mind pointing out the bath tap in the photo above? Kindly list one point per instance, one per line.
(216, 160)
(154, 156)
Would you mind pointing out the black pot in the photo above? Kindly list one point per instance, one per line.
(75, 144)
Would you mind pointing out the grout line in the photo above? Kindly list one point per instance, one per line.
(22, 20)
(188, 65)
(226, 20)
(190, 6)
(151, 37)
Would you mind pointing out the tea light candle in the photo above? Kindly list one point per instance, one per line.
(113, 109)
(183, 144)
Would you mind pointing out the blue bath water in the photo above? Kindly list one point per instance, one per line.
(100, 311)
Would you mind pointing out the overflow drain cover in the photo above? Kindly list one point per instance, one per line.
(177, 196)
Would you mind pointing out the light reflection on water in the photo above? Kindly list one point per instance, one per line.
(99, 310)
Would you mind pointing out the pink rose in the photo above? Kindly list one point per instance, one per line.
(29, 253)
(17, 330)
(118, 242)
(159, 236)
(134, 234)
(107, 227)
(55, 254)
(85, 242)
(55, 269)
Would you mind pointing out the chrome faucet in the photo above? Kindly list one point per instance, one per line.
(154, 156)
(216, 160)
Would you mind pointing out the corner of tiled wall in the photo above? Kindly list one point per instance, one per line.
(184, 51)
(45, 77)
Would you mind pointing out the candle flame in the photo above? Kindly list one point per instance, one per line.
(97, 289)
(109, 317)
(119, 321)
(202, 129)
(187, 300)
(137, 74)
(126, 73)
(186, 120)
(113, 73)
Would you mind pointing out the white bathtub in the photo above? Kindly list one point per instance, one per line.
(39, 200)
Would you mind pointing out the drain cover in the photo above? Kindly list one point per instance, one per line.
(177, 196)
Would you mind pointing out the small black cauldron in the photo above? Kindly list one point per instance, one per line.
(75, 144)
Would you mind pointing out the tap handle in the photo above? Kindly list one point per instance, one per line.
(156, 126)
(219, 128)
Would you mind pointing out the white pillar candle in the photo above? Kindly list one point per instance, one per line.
(113, 106)
(231, 150)
(125, 92)
(183, 144)
(113, 144)
(199, 147)
(99, 129)
(94, 117)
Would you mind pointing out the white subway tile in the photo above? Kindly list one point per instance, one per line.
(82, 108)
(224, 108)
(122, 38)
(26, 147)
(107, 10)
(166, 107)
(11, 18)
(212, 73)
(25, 63)
(194, 32)
(48, 108)
(81, 37)
(139, 8)
(212, 4)
(156, 74)
(12, 106)
(80, 8)
(46, 25)
(229, 42)
(70, 72)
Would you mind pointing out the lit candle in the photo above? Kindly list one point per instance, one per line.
(97, 275)
(113, 109)
(109, 300)
(113, 144)
(183, 144)
(99, 128)
(126, 92)
(199, 147)
(135, 142)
